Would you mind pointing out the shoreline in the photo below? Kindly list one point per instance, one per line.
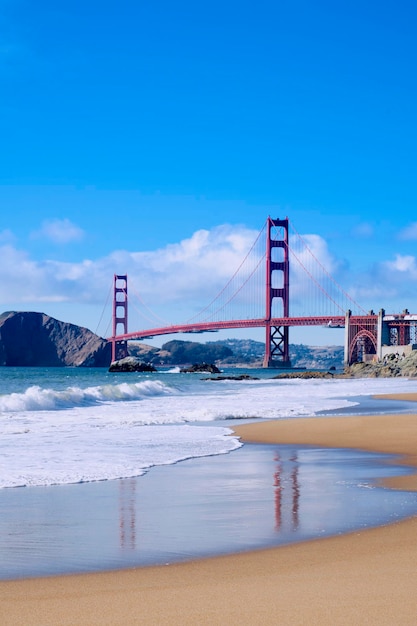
(367, 576)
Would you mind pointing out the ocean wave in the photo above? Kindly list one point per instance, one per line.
(66, 455)
(36, 398)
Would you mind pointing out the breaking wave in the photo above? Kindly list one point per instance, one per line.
(36, 398)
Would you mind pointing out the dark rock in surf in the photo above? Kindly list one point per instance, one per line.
(305, 375)
(131, 364)
(238, 377)
(201, 367)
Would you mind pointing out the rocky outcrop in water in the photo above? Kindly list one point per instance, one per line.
(304, 375)
(238, 377)
(201, 367)
(131, 364)
(36, 340)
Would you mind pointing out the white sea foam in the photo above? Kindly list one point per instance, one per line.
(87, 452)
(36, 398)
(55, 434)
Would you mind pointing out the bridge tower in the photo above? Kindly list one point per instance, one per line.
(119, 348)
(277, 260)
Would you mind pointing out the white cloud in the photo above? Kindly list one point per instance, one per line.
(310, 257)
(181, 275)
(21, 279)
(178, 280)
(404, 264)
(193, 270)
(410, 232)
(390, 285)
(313, 254)
(314, 289)
(59, 231)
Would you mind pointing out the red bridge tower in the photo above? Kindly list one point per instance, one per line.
(119, 348)
(277, 260)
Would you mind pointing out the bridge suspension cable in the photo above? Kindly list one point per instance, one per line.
(325, 283)
(259, 290)
(222, 307)
(229, 292)
(105, 308)
(152, 316)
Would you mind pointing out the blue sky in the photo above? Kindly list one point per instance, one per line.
(129, 127)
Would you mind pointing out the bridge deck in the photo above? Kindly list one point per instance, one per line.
(329, 321)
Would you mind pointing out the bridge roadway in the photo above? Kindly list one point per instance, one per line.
(201, 327)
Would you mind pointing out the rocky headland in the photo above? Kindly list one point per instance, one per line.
(391, 366)
(30, 339)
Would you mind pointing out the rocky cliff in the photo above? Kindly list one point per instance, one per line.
(393, 365)
(35, 339)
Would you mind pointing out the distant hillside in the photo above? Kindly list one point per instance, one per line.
(180, 352)
(310, 357)
(35, 339)
(317, 357)
(235, 352)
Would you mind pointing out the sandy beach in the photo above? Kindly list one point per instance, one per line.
(366, 577)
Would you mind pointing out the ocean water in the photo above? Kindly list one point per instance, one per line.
(98, 455)
(72, 425)
(258, 496)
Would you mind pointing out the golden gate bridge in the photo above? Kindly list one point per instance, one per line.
(280, 269)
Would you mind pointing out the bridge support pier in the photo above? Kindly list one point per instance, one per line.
(118, 347)
(276, 347)
(363, 335)
(346, 356)
(277, 260)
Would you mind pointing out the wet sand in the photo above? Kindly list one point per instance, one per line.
(366, 577)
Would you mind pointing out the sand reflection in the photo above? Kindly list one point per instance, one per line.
(259, 496)
(287, 492)
(127, 513)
